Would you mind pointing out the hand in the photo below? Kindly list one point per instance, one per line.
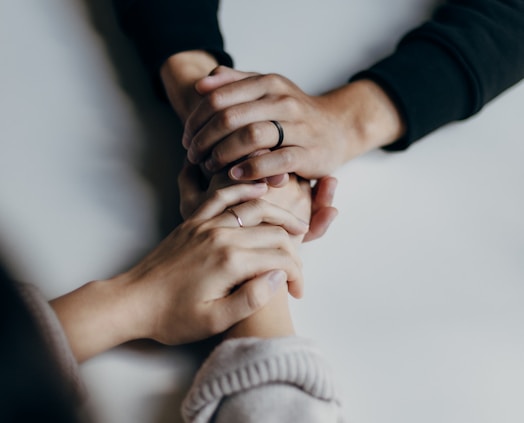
(194, 190)
(179, 73)
(204, 277)
(320, 132)
(322, 212)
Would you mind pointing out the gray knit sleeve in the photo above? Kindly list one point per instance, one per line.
(264, 380)
(55, 339)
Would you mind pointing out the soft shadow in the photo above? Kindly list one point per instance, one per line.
(160, 164)
(168, 405)
(163, 153)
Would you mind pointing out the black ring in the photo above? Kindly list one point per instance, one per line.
(280, 134)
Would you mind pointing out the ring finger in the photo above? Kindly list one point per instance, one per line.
(252, 137)
(254, 212)
(227, 121)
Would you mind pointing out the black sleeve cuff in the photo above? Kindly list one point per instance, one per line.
(161, 28)
(427, 86)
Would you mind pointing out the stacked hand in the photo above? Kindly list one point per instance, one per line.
(234, 120)
(208, 274)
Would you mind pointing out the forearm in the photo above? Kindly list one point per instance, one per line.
(368, 115)
(272, 321)
(98, 316)
(179, 74)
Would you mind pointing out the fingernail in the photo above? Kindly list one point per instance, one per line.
(237, 172)
(185, 140)
(275, 180)
(210, 164)
(276, 279)
(191, 156)
(332, 190)
(304, 222)
(260, 186)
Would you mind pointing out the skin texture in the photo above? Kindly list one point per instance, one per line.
(207, 275)
(180, 75)
(321, 132)
(274, 319)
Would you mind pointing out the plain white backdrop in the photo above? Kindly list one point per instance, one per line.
(416, 292)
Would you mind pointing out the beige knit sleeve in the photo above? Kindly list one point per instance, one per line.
(264, 380)
(54, 337)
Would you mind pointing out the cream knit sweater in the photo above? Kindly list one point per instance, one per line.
(243, 380)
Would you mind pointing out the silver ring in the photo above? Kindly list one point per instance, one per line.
(237, 217)
(280, 134)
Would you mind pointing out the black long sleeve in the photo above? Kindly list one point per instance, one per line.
(161, 28)
(451, 66)
(445, 70)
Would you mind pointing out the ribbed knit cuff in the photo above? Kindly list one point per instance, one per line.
(242, 364)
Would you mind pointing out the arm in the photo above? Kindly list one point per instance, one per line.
(204, 277)
(162, 28)
(262, 372)
(469, 52)
(178, 41)
(451, 66)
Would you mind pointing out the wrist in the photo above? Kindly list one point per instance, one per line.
(272, 321)
(98, 316)
(179, 73)
(369, 117)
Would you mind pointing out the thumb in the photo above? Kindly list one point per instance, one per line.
(251, 297)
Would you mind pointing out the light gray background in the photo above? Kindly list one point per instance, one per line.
(416, 292)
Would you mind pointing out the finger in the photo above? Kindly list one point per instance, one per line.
(278, 181)
(225, 121)
(189, 188)
(218, 77)
(249, 297)
(247, 263)
(320, 222)
(260, 260)
(247, 139)
(255, 212)
(245, 90)
(241, 91)
(257, 237)
(227, 197)
(324, 192)
(283, 160)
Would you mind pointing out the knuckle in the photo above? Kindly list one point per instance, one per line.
(199, 232)
(275, 81)
(227, 258)
(228, 119)
(216, 236)
(215, 100)
(291, 104)
(253, 133)
(286, 158)
(220, 155)
(197, 142)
